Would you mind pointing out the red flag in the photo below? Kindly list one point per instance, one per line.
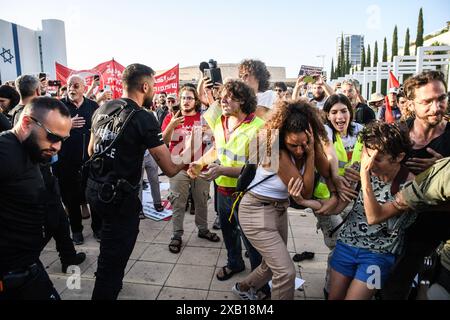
(392, 83)
(168, 81)
(110, 75)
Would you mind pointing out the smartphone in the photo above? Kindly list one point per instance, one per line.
(309, 79)
(107, 88)
(96, 77)
(42, 75)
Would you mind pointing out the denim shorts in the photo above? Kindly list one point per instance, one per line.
(362, 264)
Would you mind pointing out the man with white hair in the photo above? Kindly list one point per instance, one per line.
(72, 156)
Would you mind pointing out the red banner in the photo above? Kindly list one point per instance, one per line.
(168, 81)
(110, 73)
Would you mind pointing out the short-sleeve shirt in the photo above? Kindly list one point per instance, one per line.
(22, 209)
(385, 237)
(431, 187)
(141, 133)
(364, 114)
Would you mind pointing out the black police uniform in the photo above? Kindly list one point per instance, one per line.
(113, 185)
(22, 221)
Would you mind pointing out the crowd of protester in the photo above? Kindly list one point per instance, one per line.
(83, 155)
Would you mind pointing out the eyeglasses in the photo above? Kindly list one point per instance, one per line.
(170, 101)
(51, 137)
(429, 103)
(187, 98)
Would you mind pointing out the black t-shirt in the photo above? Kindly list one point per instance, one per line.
(4, 123)
(364, 114)
(74, 149)
(440, 144)
(141, 133)
(15, 112)
(22, 211)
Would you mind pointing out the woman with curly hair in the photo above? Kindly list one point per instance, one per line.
(297, 129)
(366, 250)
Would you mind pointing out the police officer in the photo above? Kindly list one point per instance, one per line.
(38, 135)
(121, 132)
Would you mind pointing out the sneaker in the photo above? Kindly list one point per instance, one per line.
(78, 259)
(244, 295)
(216, 224)
(78, 238)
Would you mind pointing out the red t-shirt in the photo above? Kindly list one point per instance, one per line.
(183, 130)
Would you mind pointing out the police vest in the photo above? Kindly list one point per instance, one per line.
(321, 191)
(234, 152)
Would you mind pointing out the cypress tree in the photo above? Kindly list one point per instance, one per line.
(369, 61)
(375, 61)
(406, 51)
(419, 39)
(348, 64)
(363, 57)
(342, 54)
(332, 69)
(394, 44)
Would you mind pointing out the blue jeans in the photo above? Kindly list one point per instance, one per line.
(232, 236)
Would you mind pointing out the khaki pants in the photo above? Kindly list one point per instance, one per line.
(264, 222)
(179, 192)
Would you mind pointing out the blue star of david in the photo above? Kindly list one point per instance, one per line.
(6, 55)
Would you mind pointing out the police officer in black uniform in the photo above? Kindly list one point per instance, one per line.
(121, 132)
(38, 135)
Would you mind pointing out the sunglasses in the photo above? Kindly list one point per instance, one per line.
(51, 137)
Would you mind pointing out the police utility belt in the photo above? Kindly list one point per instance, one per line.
(109, 192)
(17, 278)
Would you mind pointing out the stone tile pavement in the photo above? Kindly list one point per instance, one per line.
(154, 273)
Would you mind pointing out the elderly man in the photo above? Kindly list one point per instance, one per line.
(73, 155)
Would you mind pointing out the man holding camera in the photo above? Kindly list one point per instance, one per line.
(73, 154)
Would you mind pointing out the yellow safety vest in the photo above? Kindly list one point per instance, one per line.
(321, 191)
(234, 152)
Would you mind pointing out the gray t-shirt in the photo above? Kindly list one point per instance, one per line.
(385, 237)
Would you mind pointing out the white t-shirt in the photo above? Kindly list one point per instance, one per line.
(266, 99)
(348, 141)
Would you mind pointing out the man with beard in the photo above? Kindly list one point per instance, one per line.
(44, 124)
(363, 113)
(121, 132)
(72, 157)
(431, 135)
(320, 91)
(163, 109)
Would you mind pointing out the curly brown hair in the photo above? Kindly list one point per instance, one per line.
(259, 70)
(295, 117)
(241, 92)
(421, 80)
(388, 138)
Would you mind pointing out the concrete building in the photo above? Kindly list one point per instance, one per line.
(354, 43)
(26, 51)
(229, 70)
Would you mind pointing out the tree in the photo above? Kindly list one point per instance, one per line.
(419, 39)
(332, 70)
(375, 61)
(363, 57)
(394, 44)
(342, 61)
(368, 61)
(385, 56)
(406, 51)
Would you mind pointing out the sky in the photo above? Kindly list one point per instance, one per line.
(163, 33)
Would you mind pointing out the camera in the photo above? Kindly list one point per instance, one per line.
(54, 83)
(211, 71)
(96, 77)
(42, 76)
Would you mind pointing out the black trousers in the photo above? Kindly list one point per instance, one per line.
(120, 229)
(73, 195)
(422, 237)
(57, 227)
(31, 284)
